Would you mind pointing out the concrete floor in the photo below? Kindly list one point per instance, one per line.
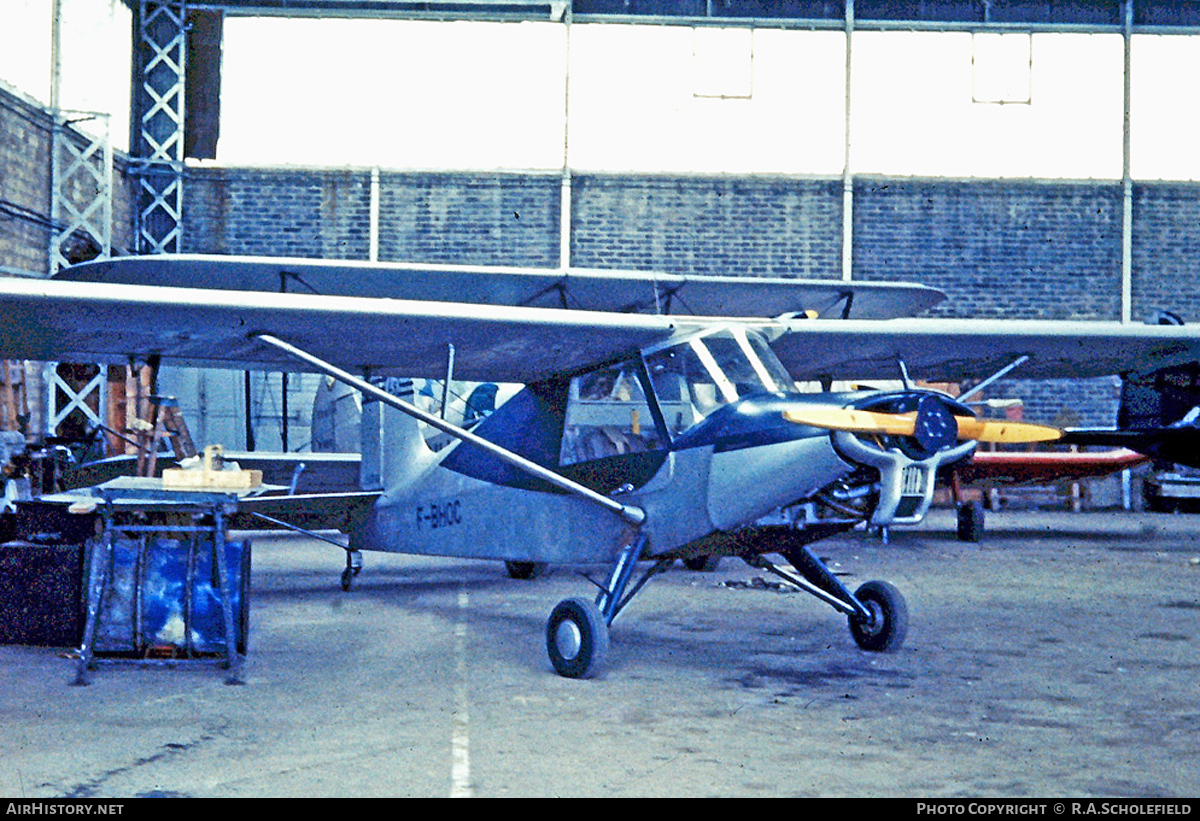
(1058, 658)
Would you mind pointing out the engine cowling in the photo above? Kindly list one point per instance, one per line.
(907, 463)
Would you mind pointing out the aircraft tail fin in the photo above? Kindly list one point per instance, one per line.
(390, 439)
(1158, 416)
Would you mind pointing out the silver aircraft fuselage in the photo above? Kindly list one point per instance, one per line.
(691, 432)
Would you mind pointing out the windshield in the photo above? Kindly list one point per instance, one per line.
(692, 379)
(686, 389)
(770, 362)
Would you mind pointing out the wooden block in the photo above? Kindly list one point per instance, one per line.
(180, 479)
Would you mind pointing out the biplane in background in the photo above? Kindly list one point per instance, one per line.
(658, 420)
(1157, 422)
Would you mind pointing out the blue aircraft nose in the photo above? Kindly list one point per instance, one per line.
(936, 427)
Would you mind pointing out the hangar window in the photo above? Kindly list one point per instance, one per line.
(1002, 68)
(723, 63)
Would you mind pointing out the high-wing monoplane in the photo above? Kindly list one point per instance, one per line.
(659, 418)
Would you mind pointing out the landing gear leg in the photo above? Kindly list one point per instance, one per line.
(577, 634)
(877, 612)
(970, 515)
(354, 564)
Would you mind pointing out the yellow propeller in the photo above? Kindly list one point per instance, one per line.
(904, 424)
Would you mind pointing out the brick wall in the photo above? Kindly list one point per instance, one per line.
(320, 213)
(752, 226)
(1028, 250)
(24, 185)
(25, 208)
(480, 219)
(504, 219)
(1166, 250)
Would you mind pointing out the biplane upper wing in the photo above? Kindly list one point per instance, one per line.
(402, 320)
(608, 291)
(955, 350)
(56, 320)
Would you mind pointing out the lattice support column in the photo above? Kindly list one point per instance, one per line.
(81, 203)
(158, 111)
(75, 399)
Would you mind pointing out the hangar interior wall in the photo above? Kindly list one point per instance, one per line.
(1021, 249)
(26, 137)
(1000, 248)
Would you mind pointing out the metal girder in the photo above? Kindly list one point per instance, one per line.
(406, 9)
(1148, 15)
(76, 399)
(159, 66)
(83, 164)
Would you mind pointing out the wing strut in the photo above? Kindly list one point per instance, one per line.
(1016, 363)
(630, 513)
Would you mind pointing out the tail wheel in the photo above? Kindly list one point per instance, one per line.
(524, 570)
(702, 564)
(884, 631)
(576, 638)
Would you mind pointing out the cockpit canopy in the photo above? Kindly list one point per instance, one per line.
(609, 412)
(613, 425)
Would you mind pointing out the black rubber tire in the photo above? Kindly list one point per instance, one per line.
(577, 638)
(702, 564)
(886, 630)
(971, 519)
(524, 570)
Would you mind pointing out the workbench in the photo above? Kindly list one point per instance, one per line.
(163, 582)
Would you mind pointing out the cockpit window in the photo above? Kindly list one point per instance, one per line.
(730, 357)
(607, 415)
(771, 364)
(686, 389)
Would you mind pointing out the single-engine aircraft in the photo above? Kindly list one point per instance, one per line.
(659, 419)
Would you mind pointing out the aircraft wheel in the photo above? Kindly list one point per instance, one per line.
(576, 638)
(524, 570)
(970, 522)
(702, 564)
(885, 631)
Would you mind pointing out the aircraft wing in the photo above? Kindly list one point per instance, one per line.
(55, 320)
(1180, 445)
(1044, 467)
(576, 289)
(364, 317)
(955, 350)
